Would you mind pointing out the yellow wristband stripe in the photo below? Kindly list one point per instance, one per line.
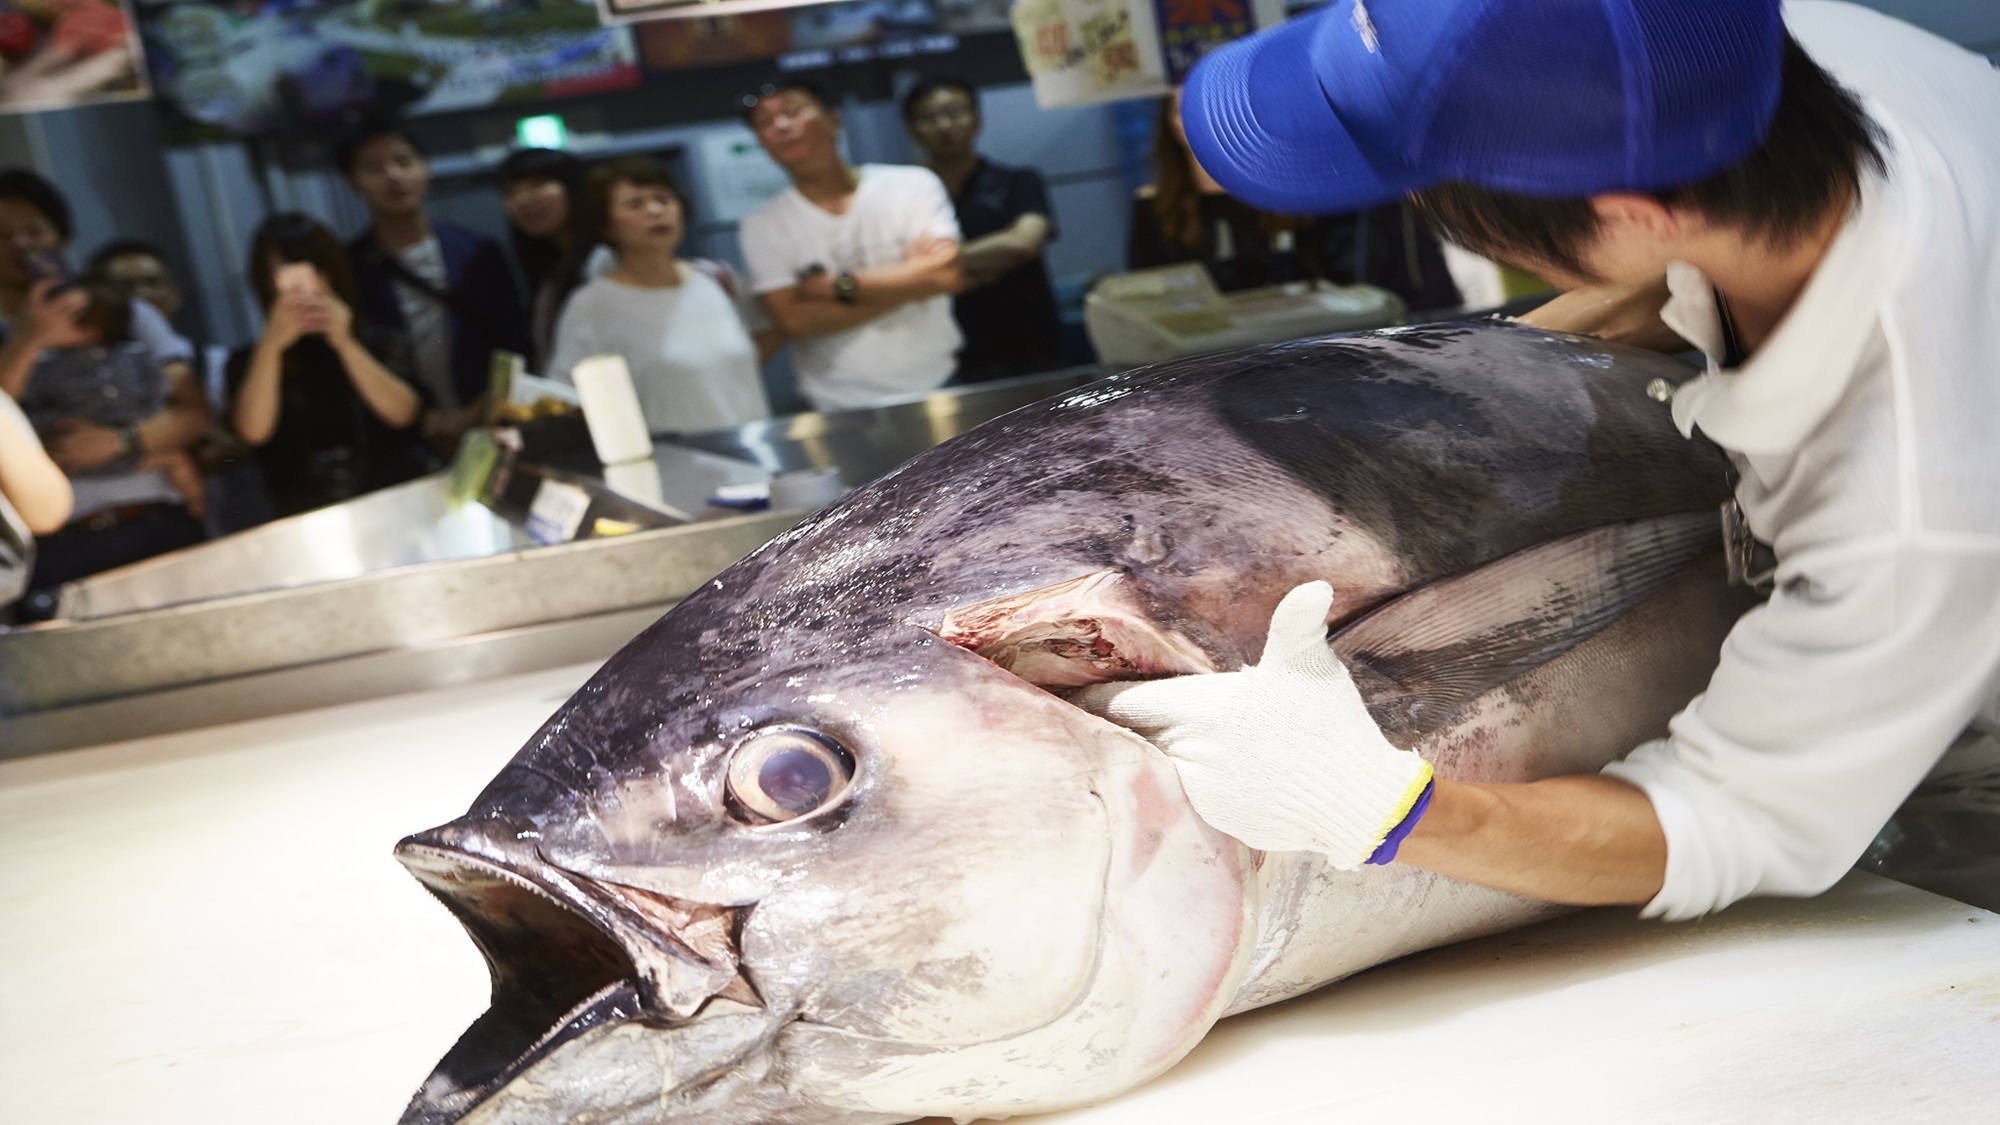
(1405, 803)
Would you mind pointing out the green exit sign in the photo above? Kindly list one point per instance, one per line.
(544, 131)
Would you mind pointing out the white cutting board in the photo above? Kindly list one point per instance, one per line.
(208, 928)
(1874, 1003)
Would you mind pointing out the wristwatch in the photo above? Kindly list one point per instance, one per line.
(128, 441)
(845, 287)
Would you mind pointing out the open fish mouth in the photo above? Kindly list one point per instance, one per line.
(570, 957)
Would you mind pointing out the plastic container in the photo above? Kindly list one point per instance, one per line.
(611, 409)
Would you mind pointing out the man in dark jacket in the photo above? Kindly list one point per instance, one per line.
(446, 292)
(1007, 311)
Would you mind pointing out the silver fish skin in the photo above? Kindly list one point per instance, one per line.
(826, 845)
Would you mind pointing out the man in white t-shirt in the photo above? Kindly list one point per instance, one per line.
(856, 265)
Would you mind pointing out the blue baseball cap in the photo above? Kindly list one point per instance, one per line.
(1355, 104)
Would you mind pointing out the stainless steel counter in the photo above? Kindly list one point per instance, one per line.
(864, 444)
(75, 683)
(401, 590)
(408, 525)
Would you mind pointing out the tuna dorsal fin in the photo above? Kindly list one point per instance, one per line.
(1423, 656)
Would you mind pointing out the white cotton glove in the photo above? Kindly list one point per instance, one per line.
(1282, 755)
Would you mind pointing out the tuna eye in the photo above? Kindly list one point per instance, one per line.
(784, 774)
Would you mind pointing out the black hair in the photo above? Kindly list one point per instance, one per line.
(292, 236)
(122, 248)
(36, 192)
(812, 90)
(108, 309)
(1813, 152)
(347, 147)
(540, 258)
(540, 164)
(590, 210)
(931, 86)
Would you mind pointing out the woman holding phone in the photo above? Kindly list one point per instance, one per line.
(328, 419)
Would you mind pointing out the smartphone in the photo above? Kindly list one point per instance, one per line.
(47, 263)
(296, 279)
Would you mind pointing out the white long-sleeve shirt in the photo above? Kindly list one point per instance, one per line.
(1864, 430)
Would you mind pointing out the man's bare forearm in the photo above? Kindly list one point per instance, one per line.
(1585, 840)
(895, 286)
(17, 362)
(810, 309)
(988, 259)
(1622, 314)
(185, 418)
(798, 317)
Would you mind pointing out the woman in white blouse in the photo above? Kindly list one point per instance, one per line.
(682, 326)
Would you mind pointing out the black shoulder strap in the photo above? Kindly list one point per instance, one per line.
(458, 308)
(381, 256)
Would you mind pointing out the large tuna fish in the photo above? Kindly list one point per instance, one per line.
(826, 844)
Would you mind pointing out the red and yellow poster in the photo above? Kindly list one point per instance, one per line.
(677, 44)
(1190, 28)
(56, 53)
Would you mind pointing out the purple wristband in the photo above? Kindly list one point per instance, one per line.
(1394, 839)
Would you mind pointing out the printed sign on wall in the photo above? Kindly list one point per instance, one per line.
(255, 68)
(56, 53)
(1082, 51)
(1191, 28)
(1079, 52)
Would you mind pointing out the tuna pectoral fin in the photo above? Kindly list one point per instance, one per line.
(1086, 630)
(1422, 657)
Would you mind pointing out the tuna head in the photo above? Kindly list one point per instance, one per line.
(792, 878)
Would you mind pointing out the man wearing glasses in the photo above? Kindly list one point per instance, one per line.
(1007, 311)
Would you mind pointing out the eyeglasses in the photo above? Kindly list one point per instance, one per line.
(530, 185)
(948, 115)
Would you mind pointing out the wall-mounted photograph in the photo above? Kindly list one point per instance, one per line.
(258, 67)
(56, 53)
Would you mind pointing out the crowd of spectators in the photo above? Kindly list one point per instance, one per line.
(374, 356)
(371, 363)
(109, 390)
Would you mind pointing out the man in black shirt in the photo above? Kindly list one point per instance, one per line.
(1007, 313)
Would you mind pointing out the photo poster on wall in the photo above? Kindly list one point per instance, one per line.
(1082, 52)
(925, 11)
(286, 64)
(739, 175)
(59, 53)
(674, 35)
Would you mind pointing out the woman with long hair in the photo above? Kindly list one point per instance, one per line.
(327, 418)
(538, 187)
(1185, 216)
(683, 326)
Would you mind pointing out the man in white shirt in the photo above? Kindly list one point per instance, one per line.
(855, 265)
(1812, 198)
